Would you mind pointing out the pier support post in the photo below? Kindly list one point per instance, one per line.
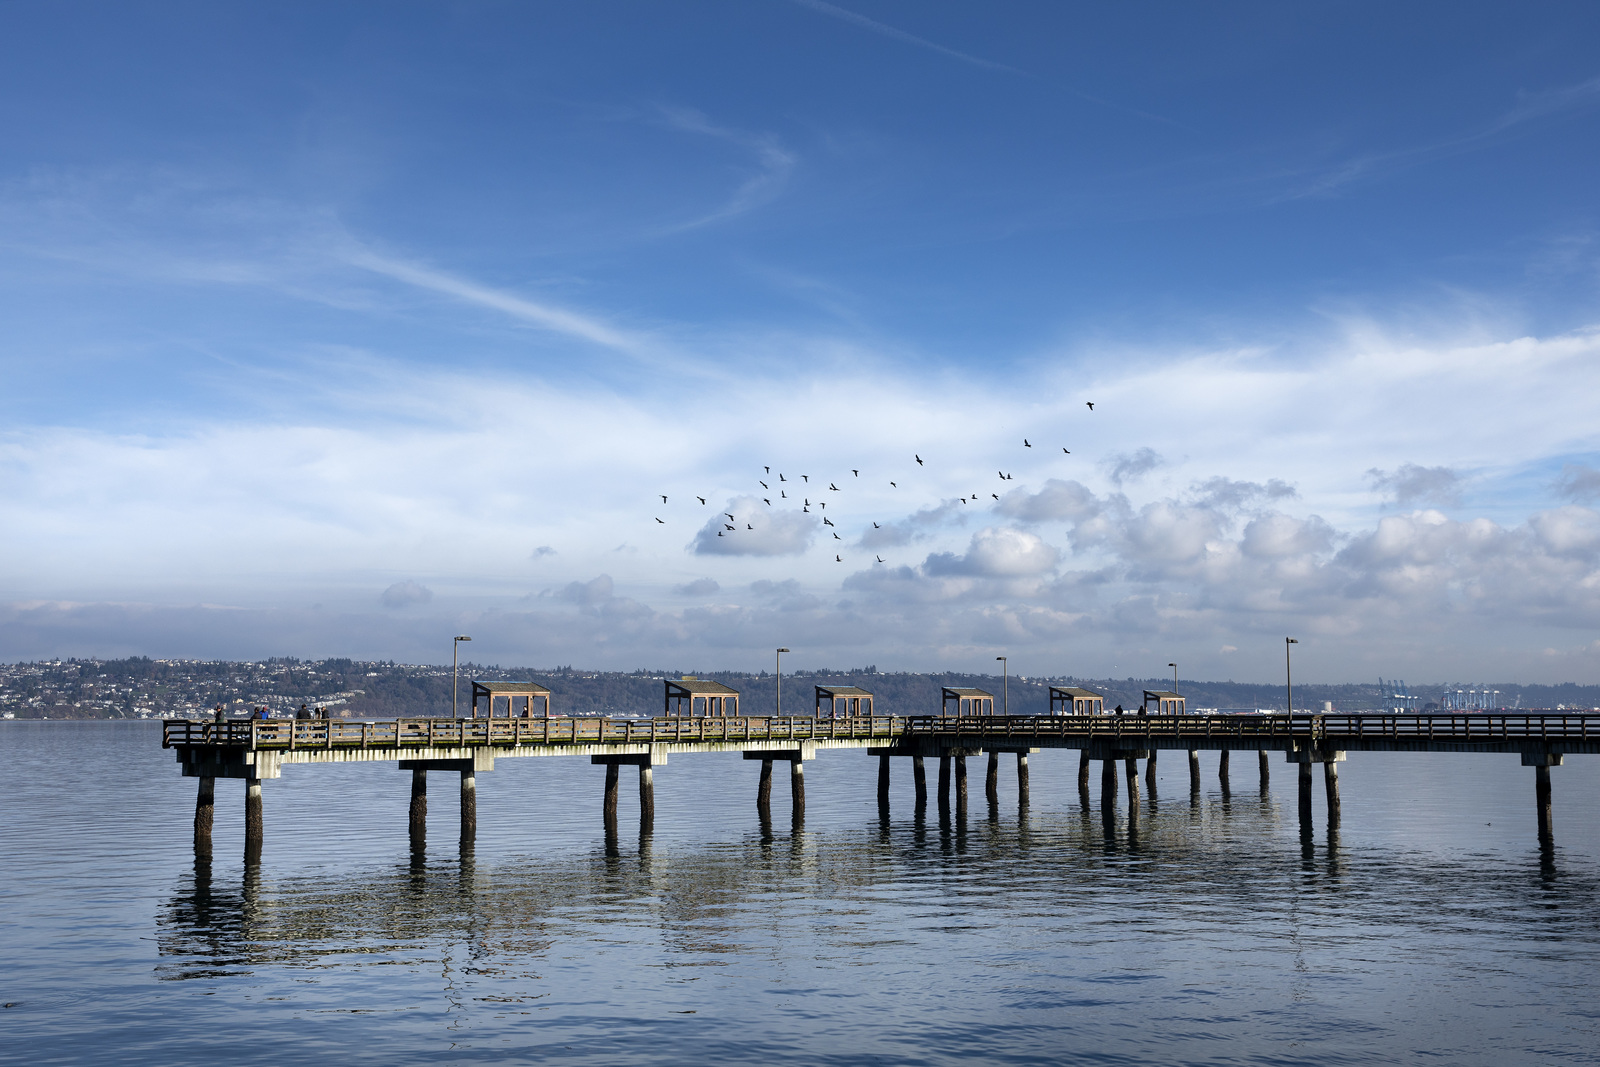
(253, 830)
(1266, 775)
(1083, 769)
(797, 787)
(991, 780)
(944, 784)
(919, 777)
(1022, 779)
(1330, 783)
(613, 780)
(418, 822)
(1108, 781)
(647, 798)
(1131, 769)
(1305, 792)
(1222, 770)
(469, 806)
(1541, 798)
(883, 781)
(764, 787)
(1150, 772)
(961, 784)
(1194, 771)
(205, 805)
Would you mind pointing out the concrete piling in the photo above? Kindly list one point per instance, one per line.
(961, 784)
(205, 805)
(469, 806)
(1022, 779)
(609, 809)
(1541, 792)
(1330, 783)
(1194, 771)
(991, 780)
(1305, 792)
(418, 822)
(1266, 775)
(764, 787)
(1108, 781)
(919, 777)
(1083, 769)
(1131, 768)
(1222, 769)
(647, 798)
(797, 787)
(944, 783)
(253, 828)
(883, 781)
(1150, 772)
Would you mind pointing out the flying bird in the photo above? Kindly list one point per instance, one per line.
(781, 478)
(1002, 475)
(806, 510)
(808, 502)
(764, 485)
(1090, 403)
(767, 502)
(995, 495)
(880, 559)
(726, 525)
(919, 459)
(836, 537)
(663, 499)
(767, 469)
(875, 526)
(827, 522)
(1025, 443)
(782, 495)
(662, 521)
(747, 526)
(836, 559)
(701, 499)
(805, 477)
(719, 533)
(729, 516)
(1067, 451)
(835, 488)
(893, 486)
(855, 472)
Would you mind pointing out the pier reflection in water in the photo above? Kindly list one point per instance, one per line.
(1190, 926)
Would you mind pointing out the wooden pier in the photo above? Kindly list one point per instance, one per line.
(256, 750)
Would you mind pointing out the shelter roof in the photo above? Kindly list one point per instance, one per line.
(699, 687)
(965, 691)
(1075, 691)
(516, 689)
(1162, 694)
(843, 691)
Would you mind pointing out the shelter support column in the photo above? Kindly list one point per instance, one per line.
(205, 806)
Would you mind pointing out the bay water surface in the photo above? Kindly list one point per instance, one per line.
(1428, 927)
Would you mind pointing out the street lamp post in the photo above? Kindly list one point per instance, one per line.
(777, 674)
(455, 672)
(1288, 683)
(1005, 685)
(1174, 667)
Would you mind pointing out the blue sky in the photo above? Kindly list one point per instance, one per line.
(338, 329)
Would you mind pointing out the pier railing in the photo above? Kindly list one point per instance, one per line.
(1270, 730)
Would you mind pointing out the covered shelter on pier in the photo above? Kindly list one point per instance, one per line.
(1167, 703)
(1072, 700)
(511, 693)
(701, 696)
(968, 701)
(855, 700)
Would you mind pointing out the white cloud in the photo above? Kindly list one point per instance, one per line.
(404, 594)
(748, 527)
(997, 552)
(1411, 484)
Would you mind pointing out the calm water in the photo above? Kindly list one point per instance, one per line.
(1429, 927)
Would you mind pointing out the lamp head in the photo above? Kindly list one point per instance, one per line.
(783, 650)
(1291, 640)
(463, 638)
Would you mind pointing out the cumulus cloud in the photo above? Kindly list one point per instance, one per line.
(757, 530)
(1411, 484)
(698, 587)
(997, 552)
(1227, 493)
(1131, 466)
(1579, 483)
(917, 527)
(404, 594)
(1058, 500)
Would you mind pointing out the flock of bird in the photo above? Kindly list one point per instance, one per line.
(805, 489)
